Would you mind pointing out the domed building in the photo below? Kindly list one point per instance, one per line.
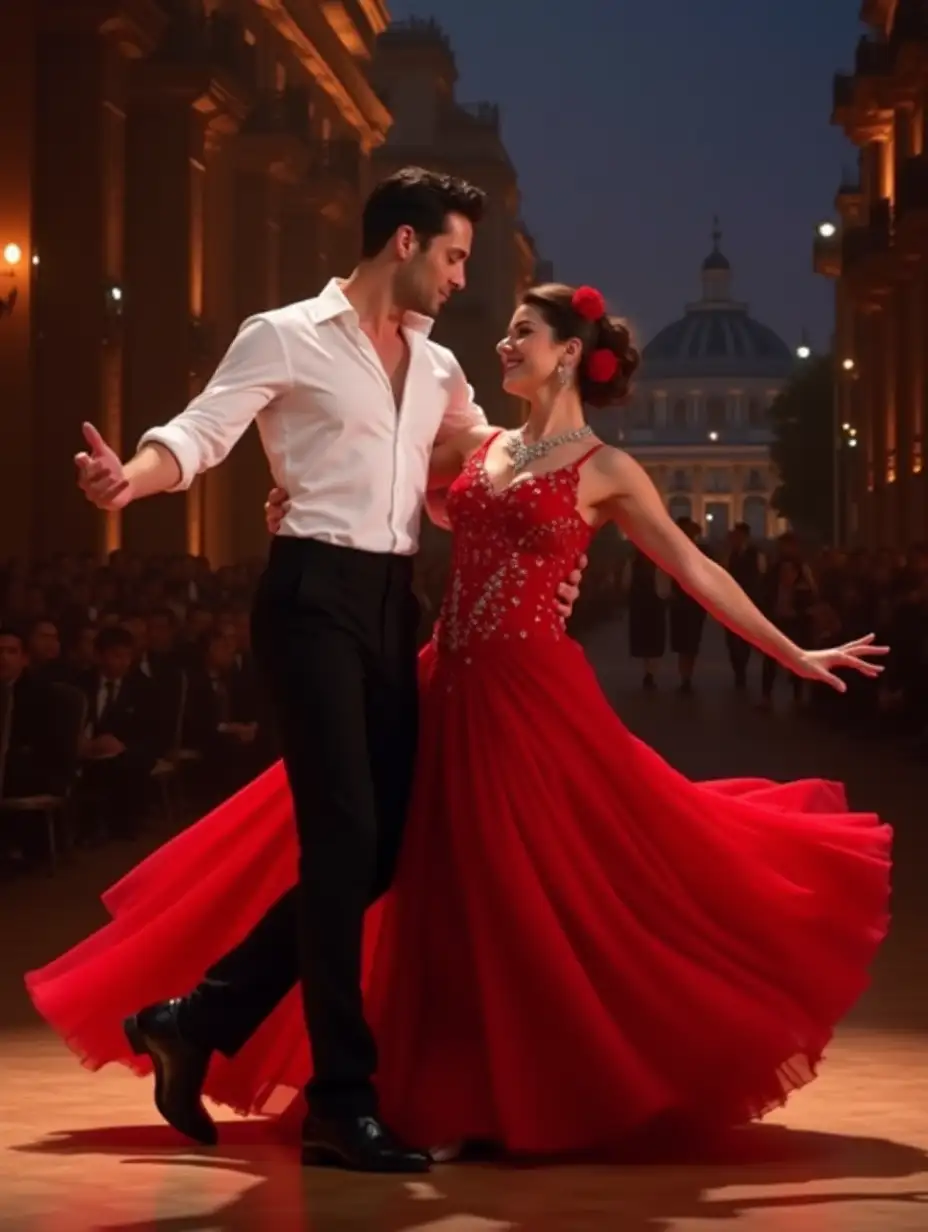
(698, 418)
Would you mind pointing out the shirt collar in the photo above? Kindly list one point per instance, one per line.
(332, 303)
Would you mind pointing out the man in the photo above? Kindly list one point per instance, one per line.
(123, 737)
(34, 747)
(747, 565)
(31, 765)
(350, 396)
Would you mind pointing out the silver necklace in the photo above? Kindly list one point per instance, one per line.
(524, 455)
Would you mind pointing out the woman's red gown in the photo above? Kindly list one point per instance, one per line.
(580, 940)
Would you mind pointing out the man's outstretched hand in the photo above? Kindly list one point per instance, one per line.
(100, 474)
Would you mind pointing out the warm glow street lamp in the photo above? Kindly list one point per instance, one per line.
(12, 255)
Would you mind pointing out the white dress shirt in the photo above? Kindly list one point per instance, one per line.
(356, 468)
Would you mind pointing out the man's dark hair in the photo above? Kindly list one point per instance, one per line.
(113, 637)
(414, 197)
(12, 631)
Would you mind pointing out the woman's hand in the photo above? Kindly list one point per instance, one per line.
(819, 664)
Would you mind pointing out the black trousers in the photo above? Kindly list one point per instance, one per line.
(334, 631)
(739, 654)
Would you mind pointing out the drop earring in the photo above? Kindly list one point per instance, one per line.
(563, 373)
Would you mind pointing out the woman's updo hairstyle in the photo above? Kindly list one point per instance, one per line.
(565, 310)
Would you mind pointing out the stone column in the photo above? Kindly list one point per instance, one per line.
(79, 144)
(737, 494)
(164, 208)
(867, 458)
(256, 289)
(905, 416)
(220, 317)
(699, 498)
(21, 455)
(917, 325)
(301, 274)
(888, 407)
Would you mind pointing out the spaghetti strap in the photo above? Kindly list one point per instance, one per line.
(589, 453)
(481, 450)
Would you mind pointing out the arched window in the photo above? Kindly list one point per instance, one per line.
(715, 413)
(757, 413)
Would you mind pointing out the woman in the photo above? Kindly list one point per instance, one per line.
(579, 940)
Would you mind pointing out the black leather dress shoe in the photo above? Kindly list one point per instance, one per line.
(180, 1070)
(361, 1144)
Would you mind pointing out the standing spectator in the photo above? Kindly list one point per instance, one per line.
(747, 565)
(647, 591)
(687, 620)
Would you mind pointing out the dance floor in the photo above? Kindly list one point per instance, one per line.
(80, 1151)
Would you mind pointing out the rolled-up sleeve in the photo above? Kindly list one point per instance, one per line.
(253, 372)
(461, 411)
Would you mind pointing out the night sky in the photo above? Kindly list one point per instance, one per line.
(632, 124)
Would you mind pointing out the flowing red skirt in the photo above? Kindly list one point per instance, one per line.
(580, 940)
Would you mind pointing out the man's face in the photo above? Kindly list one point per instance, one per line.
(44, 643)
(160, 633)
(116, 662)
(221, 652)
(138, 628)
(12, 659)
(428, 276)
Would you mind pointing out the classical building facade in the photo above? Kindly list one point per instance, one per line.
(175, 165)
(415, 75)
(877, 254)
(698, 417)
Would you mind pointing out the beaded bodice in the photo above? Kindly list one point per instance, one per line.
(511, 550)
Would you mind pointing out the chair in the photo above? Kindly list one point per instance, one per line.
(67, 717)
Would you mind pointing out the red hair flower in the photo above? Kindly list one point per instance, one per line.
(588, 303)
(602, 366)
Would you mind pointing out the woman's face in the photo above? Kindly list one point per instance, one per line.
(530, 353)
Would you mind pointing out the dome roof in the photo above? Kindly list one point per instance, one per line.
(716, 260)
(717, 336)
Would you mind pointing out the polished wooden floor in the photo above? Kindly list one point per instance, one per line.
(850, 1154)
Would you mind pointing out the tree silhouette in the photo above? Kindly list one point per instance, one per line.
(802, 419)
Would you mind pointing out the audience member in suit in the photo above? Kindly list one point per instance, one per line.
(747, 565)
(123, 737)
(224, 721)
(687, 618)
(43, 649)
(33, 766)
(79, 655)
(156, 643)
(200, 621)
(36, 759)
